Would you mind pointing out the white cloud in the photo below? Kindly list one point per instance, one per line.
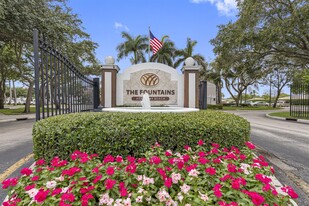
(225, 7)
(120, 26)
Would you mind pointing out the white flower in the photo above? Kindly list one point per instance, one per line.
(187, 204)
(148, 199)
(64, 190)
(140, 190)
(61, 178)
(127, 202)
(185, 188)
(118, 202)
(245, 167)
(204, 197)
(139, 199)
(110, 201)
(32, 192)
(179, 196)
(51, 184)
(170, 202)
(194, 173)
(139, 178)
(176, 177)
(104, 199)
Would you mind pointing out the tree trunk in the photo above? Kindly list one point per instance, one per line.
(10, 88)
(2, 92)
(219, 93)
(277, 97)
(14, 93)
(29, 96)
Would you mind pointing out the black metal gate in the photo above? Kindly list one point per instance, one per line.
(60, 88)
(299, 100)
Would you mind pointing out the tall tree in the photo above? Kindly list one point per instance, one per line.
(136, 45)
(188, 51)
(166, 54)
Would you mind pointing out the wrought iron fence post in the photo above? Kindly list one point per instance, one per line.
(96, 93)
(36, 73)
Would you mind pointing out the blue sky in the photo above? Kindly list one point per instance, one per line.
(104, 20)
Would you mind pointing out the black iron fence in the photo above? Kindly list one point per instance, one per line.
(299, 102)
(60, 88)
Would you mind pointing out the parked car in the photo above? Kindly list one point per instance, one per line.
(260, 103)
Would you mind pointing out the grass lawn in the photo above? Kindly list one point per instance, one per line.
(285, 115)
(250, 108)
(16, 111)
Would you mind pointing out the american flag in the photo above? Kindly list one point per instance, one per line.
(154, 43)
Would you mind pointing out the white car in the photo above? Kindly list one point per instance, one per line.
(260, 103)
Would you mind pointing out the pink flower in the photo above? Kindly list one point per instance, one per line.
(232, 168)
(186, 158)
(201, 154)
(250, 145)
(168, 182)
(256, 198)
(109, 184)
(41, 195)
(210, 170)
(71, 171)
(131, 159)
(141, 160)
(35, 178)
(187, 147)
(155, 160)
(215, 145)
(110, 171)
(242, 157)
(272, 170)
(95, 170)
(68, 197)
(263, 178)
(26, 171)
(85, 199)
(168, 153)
(226, 177)
(200, 142)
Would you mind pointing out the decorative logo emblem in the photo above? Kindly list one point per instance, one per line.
(149, 79)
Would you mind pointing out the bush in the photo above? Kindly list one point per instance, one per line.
(133, 133)
(215, 106)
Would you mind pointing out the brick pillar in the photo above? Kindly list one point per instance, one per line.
(108, 82)
(191, 82)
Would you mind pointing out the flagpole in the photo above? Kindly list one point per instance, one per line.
(149, 43)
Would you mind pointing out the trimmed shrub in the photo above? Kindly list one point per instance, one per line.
(133, 133)
(215, 106)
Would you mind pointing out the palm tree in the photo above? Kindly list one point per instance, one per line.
(183, 54)
(136, 45)
(166, 54)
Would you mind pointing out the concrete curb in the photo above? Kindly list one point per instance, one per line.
(289, 119)
(16, 119)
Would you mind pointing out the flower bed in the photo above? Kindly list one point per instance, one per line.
(219, 176)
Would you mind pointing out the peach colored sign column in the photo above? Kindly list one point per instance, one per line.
(191, 82)
(108, 82)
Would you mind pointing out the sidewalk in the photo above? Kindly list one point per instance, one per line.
(10, 118)
(289, 119)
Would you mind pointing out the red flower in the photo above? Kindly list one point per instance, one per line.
(272, 170)
(171, 161)
(226, 177)
(119, 159)
(200, 142)
(131, 168)
(95, 170)
(162, 173)
(203, 160)
(108, 158)
(290, 191)
(201, 154)
(40, 162)
(215, 145)
(35, 178)
(26, 171)
(242, 157)
(256, 198)
(110, 171)
(141, 160)
(232, 168)
(250, 145)
(180, 165)
(41, 195)
(97, 179)
(217, 191)
(56, 191)
(167, 153)
(187, 147)
(155, 160)
(191, 167)
(121, 185)
(186, 158)
(168, 182)
(71, 171)
(210, 170)
(68, 197)
(85, 199)
(123, 192)
(9, 182)
(263, 178)
(109, 184)
(131, 159)
(29, 187)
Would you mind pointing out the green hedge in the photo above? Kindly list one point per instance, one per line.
(133, 133)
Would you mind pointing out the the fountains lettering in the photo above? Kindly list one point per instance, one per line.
(155, 95)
